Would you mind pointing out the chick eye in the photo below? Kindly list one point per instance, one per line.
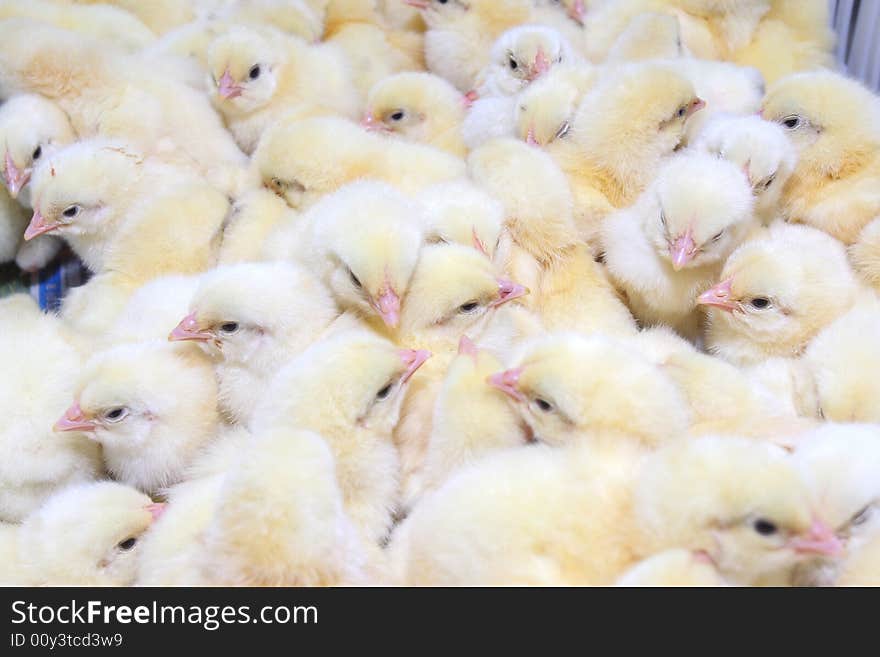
(717, 237)
(354, 280)
(681, 111)
(71, 212)
(116, 414)
(513, 64)
(769, 182)
(765, 527)
(543, 404)
(254, 73)
(861, 517)
(37, 152)
(663, 218)
(229, 327)
(563, 130)
(397, 115)
(127, 544)
(760, 303)
(384, 392)
(469, 307)
(792, 122)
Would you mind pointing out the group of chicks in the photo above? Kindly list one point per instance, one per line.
(439, 292)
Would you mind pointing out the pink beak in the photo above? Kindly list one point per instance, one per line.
(74, 420)
(470, 98)
(530, 137)
(718, 296)
(577, 12)
(506, 382)
(695, 106)
(508, 291)
(370, 124)
(413, 359)
(683, 250)
(821, 539)
(389, 308)
(478, 243)
(38, 226)
(15, 177)
(188, 329)
(156, 509)
(467, 346)
(227, 87)
(418, 4)
(540, 66)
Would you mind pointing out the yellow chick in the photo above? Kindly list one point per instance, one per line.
(460, 212)
(675, 567)
(302, 160)
(102, 525)
(251, 220)
(671, 244)
(250, 330)
(833, 123)
(151, 406)
(760, 148)
(419, 107)
(349, 387)
(259, 74)
(865, 254)
(567, 16)
(35, 463)
(776, 293)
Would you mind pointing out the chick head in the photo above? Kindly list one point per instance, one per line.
(568, 385)
(88, 534)
(81, 189)
(460, 212)
(545, 109)
(31, 129)
(741, 502)
(833, 121)
(415, 106)
(128, 396)
(777, 292)
(238, 311)
(453, 288)
(760, 148)
(244, 64)
(521, 55)
(704, 210)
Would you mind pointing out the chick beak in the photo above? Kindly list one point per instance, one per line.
(15, 177)
(389, 307)
(156, 509)
(188, 329)
(540, 66)
(470, 98)
(506, 382)
(577, 12)
(820, 539)
(370, 124)
(418, 4)
(413, 359)
(508, 291)
(478, 243)
(530, 137)
(467, 347)
(696, 105)
(227, 87)
(74, 420)
(683, 250)
(38, 226)
(718, 296)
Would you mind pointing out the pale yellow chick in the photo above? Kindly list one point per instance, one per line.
(459, 212)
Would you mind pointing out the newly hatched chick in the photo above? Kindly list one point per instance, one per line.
(349, 387)
(250, 221)
(419, 107)
(460, 212)
(302, 160)
(35, 463)
(567, 16)
(151, 406)
(250, 329)
(259, 74)
(760, 148)
(665, 249)
(84, 535)
(834, 123)
(676, 567)
(776, 293)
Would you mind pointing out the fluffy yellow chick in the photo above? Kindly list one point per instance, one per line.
(833, 123)
(865, 254)
(252, 218)
(419, 107)
(35, 463)
(302, 160)
(567, 16)
(675, 567)
(122, 212)
(776, 293)
(671, 244)
(250, 330)
(106, 93)
(349, 387)
(459, 212)
(760, 148)
(259, 74)
(84, 535)
(151, 406)
(651, 35)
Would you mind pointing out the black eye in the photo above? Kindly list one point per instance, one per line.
(861, 517)
(115, 414)
(760, 303)
(717, 237)
(127, 544)
(354, 280)
(769, 182)
(384, 392)
(791, 122)
(765, 527)
(544, 405)
(513, 64)
(398, 115)
(71, 212)
(254, 73)
(681, 111)
(37, 152)
(229, 327)
(468, 307)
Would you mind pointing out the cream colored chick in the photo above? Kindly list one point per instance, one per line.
(419, 107)
(349, 387)
(151, 407)
(84, 535)
(568, 387)
(865, 254)
(834, 124)
(841, 465)
(651, 35)
(302, 160)
(259, 74)
(106, 93)
(460, 212)
(672, 243)
(567, 16)
(250, 330)
(35, 463)
(760, 148)
(675, 567)
(252, 218)
(119, 211)
(776, 293)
